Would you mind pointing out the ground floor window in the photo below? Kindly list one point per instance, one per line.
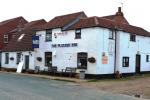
(48, 58)
(82, 60)
(125, 61)
(6, 58)
(147, 58)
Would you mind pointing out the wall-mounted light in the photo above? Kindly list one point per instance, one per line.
(30, 53)
(21, 54)
(55, 35)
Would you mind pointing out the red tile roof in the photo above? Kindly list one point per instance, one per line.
(106, 23)
(118, 17)
(61, 21)
(112, 22)
(34, 24)
(25, 44)
(92, 22)
(9, 25)
(30, 25)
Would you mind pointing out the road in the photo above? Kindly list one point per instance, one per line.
(18, 87)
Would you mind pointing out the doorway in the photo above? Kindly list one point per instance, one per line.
(26, 62)
(138, 63)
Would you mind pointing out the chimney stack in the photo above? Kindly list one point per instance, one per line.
(119, 13)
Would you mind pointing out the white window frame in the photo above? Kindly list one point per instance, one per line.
(111, 35)
(5, 38)
(48, 36)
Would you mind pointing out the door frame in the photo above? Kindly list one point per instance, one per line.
(26, 68)
(138, 68)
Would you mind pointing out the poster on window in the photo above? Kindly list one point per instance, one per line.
(35, 41)
(104, 59)
(111, 48)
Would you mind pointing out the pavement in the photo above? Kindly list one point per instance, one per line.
(25, 87)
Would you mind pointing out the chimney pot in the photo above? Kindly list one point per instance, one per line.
(119, 9)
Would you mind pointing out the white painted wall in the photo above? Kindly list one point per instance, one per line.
(108, 46)
(13, 63)
(94, 41)
(91, 42)
(130, 49)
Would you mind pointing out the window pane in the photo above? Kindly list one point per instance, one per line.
(5, 38)
(147, 58)
(78, 34)
(82, 60)
(125, 62)
(48, 35)
(78, 31)
(111, 35)
(132, 37)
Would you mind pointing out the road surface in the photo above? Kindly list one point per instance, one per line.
(18, 87)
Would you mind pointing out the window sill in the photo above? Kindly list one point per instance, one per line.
(77, 38)
(111, 38)
(48, 41)
(82, 68)
(125, 66)
(132, 41)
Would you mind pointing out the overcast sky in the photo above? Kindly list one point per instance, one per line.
(136, 11)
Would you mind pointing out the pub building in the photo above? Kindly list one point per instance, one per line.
(99, 45)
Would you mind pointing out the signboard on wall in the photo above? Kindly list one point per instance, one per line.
(65, 45)
(111, 48)
(104, 58)
(35, 41)
(60, 34)
(19, 67)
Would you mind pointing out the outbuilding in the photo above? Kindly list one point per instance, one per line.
(19, 49)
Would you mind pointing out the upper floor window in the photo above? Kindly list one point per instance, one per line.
(132, 37)
(78, 34)
(125, 61)
(48, 35)
(5, 38)
(147, 58)
(6, 58)
(111, 35)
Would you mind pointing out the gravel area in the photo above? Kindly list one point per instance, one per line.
(134, 85)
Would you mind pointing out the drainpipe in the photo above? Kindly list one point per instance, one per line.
(115, 51)
(0, 59)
